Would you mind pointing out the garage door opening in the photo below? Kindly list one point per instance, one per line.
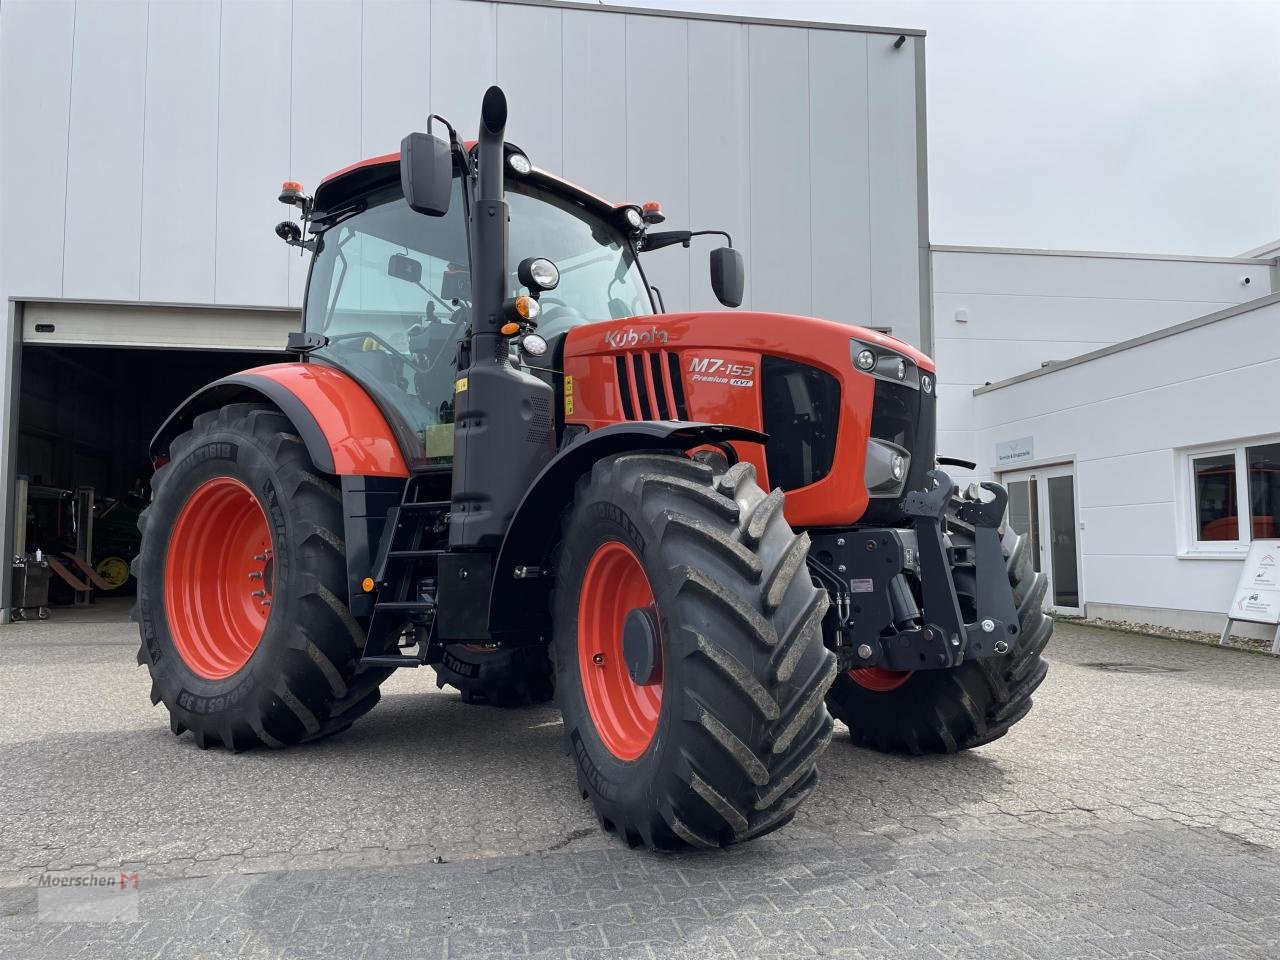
(83, 472)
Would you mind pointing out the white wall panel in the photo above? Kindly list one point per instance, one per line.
(719, 147)
(995, 360)
(658, 144)
(1122, 278)
(251, 264)
(1192, 357)
(1161, 582)
(180, 152)
(35, 89)
(395, 78)
(1131, 529)
(839, 161)
(595, 101)
(893, 186)
(1127, 479)
(464, 49)
(104, 170)
(1032, 318)
(530, 61)
(780, 214)
(325, 108)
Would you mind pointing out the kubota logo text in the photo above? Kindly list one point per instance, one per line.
(631, 337)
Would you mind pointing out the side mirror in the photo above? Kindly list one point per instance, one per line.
(404, 268)
(426, 174)
(728, 276)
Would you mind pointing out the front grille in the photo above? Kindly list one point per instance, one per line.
(903, 415)
(801, 413)
(649, 385)
(895, 414)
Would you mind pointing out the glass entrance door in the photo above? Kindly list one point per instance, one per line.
(1042, 506)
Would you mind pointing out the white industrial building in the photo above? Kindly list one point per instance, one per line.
(1124, 400)
(142, 145)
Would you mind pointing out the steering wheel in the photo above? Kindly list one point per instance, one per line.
(370, 335)
(559, 312)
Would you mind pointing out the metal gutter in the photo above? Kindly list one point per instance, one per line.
(154, 304)
(922, 207)
(1101, 255)
(1242, 308)
(720, 17)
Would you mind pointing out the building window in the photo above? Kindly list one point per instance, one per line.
(1217, 513)
(1264, 489)
(1234, 495)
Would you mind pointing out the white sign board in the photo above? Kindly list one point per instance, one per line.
(1015, 451)
(1257, 597)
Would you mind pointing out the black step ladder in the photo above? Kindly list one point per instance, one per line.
(404, 568)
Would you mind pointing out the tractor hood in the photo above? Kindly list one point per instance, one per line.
(797, 379)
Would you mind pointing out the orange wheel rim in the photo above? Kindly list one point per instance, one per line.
(219, 578)
(879, 679)
(624, 712)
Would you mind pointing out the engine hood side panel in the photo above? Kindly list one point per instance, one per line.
(642, 368)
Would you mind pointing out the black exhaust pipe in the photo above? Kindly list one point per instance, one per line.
(503, 428)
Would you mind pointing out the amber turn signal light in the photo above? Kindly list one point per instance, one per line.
(367, 584)
(510, 329)
(527, 307)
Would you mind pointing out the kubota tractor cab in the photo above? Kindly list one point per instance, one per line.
(497, 455)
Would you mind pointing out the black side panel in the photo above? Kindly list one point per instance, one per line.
(801, 407)
(366, 503)
(464, 586)
(519, 605)
(238, 388)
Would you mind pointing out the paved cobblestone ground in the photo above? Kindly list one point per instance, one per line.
(1133, 814)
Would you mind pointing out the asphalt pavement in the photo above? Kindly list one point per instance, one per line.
(1132, 814)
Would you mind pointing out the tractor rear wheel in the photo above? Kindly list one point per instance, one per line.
(690, 667)
(497, 676)
(942, 711)
(242, 586)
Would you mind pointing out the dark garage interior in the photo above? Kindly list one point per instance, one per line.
(86, 417)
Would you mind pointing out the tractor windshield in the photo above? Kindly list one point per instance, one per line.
(391, 290)
(599, 276)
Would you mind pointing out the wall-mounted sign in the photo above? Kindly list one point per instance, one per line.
(1257, 598)
(1015, 451)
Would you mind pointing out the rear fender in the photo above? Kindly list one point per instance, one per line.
(344, 431)
(518, 603)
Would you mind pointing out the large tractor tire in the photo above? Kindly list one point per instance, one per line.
(942, 711)
(497, 676)
(242, 588)
(690, 667)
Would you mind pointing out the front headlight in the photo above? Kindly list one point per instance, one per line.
(886, 471)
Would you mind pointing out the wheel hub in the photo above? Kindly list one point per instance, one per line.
(640, 646)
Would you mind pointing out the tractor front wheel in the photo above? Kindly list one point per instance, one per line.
(242, 586)
(942, 711)
(690, 667)
(497, 676)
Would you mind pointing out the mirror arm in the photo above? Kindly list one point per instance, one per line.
(669, 238)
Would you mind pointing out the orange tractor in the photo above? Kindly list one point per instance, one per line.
(495, 455)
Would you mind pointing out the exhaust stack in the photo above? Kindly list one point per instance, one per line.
(502, 415)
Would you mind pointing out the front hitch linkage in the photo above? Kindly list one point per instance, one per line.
(937, 637)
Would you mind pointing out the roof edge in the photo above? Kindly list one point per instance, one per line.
(1100, 254)
(604, 7)
(1241, 308)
